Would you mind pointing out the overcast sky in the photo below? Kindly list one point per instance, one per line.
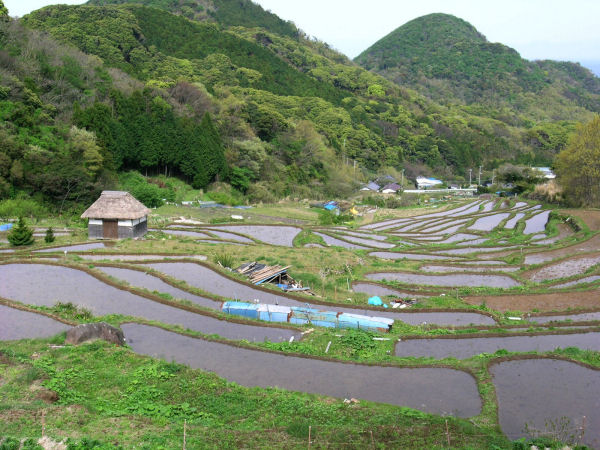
(537, 29)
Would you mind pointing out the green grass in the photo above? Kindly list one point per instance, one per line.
(111, 395)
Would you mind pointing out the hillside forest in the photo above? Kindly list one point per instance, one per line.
(224, 95)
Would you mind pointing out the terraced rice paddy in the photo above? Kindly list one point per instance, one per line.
(76, 248)
(440, 348)
(481, 244)
(17, 324)
(454, 280)
(545, 394)
(274, 235)
(62, 284)
(439, 391)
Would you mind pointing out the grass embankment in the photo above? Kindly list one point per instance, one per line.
(105, 391)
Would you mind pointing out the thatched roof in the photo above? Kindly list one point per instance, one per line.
(116, 205)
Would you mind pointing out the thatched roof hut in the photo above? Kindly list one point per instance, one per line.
(116, 215)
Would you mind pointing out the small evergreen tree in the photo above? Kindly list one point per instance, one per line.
(21, 234)
(49, 235)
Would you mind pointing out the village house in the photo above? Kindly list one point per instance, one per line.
(116, 215)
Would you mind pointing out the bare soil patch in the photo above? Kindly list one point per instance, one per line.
(590, 217)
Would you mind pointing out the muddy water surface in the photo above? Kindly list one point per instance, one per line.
(583, 317)
(39, 284)
(512, 223)
(76, 248)
(152, 283)
(454, 280)
(411, 256)
(210, 281)
(338, 242)
(438, 391)
(100, 256)
(488, 223)
(467, 347)
(590, 279)
(367, 242)
(539, 392)
(283, 236)
(194, 234)
(565, 268)
(16, 324)
(442, 269)
(537, 223)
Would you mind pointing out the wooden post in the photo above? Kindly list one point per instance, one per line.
(447, 433)
(335, 292)
(184, 432)
(372, 440)
(43, 422)
(309, 430)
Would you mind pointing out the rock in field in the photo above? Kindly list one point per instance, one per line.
(92, 331)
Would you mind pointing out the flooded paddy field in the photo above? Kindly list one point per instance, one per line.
(512, 222)
(77, 247)
(566, 268)
(112, 257)
(546, 395)
(152, 283)
(441, 269)
(454, 280)
(537, 223)
(581, 317)
(185, 233)
(409, 256)
(17, 324)
(462, 348)
(329, 240)
(204, 278)
(274, 235)
(488, 223)
(61, 284)
(434, 390)
(367, 242)
(583, 280)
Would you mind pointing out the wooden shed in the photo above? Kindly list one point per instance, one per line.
(116, 215)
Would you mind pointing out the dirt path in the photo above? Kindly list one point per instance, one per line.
(541, 302)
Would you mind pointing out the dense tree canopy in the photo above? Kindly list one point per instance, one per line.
(578, 166)
(3, 11)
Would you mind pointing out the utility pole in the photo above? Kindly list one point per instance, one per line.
(479, 182)
(470, 174)
(493, 175)
(402, 184)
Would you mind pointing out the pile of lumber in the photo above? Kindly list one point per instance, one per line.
(258, 273)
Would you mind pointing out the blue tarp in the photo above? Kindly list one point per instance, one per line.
(304, 315)
(375, 301)
(6, 226)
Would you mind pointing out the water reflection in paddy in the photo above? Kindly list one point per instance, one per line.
(467, 347)
(211, 281)
(45, 285)
(542, 392)
(17, 324)
(454, 280)
(434, 390)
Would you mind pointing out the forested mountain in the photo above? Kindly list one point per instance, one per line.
(448, 60)
(242, 13)
(238, 95)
